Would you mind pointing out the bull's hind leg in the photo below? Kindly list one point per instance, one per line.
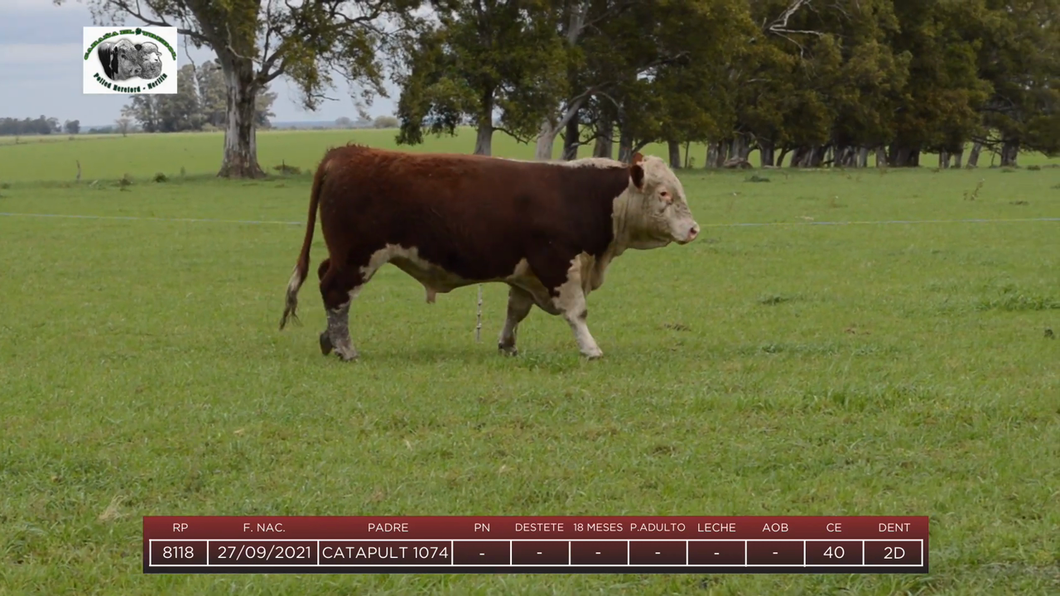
(325, 340)
(339, 286)
(519, 304)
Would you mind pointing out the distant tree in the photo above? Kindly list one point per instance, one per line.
(386, 122)
(212, 95)
(123, 125)
(343, 122)
(263, 108)
(72, 126)
(145, 110)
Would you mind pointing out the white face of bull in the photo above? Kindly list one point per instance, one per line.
(655, 211)
(150, 61)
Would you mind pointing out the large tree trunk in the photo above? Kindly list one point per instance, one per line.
(675, 154)
(818, 155)
(484, 126)
(903, 157)
(484, 138)
(546, 138)
(957, 157)
(863, 157)
(845, 156)
(625, 144)
(603, 146)
(713, 150)
(881, 157)
(571, 138)
(808, 156)
(1010, 150)
(766, 153)
(241, 145)
(740, 148)
(780, 158)
(973, 157)
(944, 159)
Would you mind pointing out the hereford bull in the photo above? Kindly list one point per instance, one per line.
(547, 229)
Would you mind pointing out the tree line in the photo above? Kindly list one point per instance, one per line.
(806, 83)
(43, 125)
(809, 82)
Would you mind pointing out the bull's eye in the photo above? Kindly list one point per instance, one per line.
(665, 196)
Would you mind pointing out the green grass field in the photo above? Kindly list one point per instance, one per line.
(780, 369)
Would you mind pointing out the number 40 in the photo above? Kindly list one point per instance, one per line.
(836, 552)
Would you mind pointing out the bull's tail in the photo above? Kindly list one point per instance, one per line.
(301, 268)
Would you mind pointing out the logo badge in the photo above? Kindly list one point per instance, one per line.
(130, 61)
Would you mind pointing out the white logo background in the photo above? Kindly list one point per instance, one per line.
(127, 63)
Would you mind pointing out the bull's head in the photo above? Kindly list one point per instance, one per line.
(656, 211)
(150, 60)
(128, 58)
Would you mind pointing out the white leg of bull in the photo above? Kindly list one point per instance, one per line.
(571, 302)
(519, 304)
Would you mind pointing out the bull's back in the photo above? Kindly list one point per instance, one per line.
(471, 215)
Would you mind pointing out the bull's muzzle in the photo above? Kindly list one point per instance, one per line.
(693, 232)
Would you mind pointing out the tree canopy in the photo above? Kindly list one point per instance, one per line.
(822, 83)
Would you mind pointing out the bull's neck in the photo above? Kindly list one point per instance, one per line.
(620, 232)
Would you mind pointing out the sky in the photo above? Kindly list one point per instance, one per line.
(41, 69)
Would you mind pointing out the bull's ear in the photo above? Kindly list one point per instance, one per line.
(637, 158)
(636, 174)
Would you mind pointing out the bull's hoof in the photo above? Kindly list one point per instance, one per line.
(325, 344)
(595, 355)
(507, 350)
(346, 355)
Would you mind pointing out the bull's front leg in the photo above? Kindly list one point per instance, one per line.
(519, 304)
(572, 305)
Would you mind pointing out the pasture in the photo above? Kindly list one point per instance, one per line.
(784, 368)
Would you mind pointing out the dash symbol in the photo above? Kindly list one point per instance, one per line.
(597, 552)
(774, 552)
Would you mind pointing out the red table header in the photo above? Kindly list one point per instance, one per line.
(528, 527)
